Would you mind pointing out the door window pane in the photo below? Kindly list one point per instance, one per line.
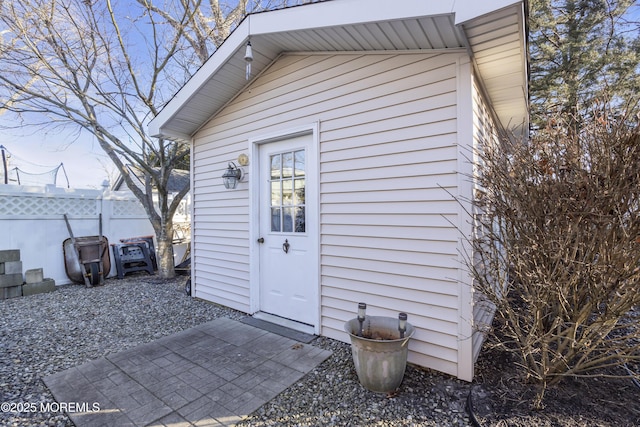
(287, 164)
(299, 220)
(287, 192)
(287, 184)
(276, 193)
(299, 186)
(299, 163)
(275, 166)
(287, 220)
(275, 219)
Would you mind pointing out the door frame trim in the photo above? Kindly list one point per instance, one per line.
(254, 210)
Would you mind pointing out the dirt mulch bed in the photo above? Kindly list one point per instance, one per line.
(501, 398)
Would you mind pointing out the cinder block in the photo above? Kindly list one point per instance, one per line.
(12, 267)
(11, 292)
(47, 285)
(8, 280)
(34, 275)
(10, 255)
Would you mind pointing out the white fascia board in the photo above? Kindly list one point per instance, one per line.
(237, 38)
(345, 12)
(466, 10)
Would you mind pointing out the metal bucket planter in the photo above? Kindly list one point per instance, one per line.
(379, 351)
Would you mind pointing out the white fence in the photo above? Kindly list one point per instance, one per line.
(31, 220)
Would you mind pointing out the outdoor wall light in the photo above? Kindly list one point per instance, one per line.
(248, 53)
(232, 176)
(248, 58)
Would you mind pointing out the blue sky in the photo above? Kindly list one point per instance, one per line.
(85, 163)
(84, 160)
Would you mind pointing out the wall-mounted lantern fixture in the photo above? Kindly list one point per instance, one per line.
(232, 176)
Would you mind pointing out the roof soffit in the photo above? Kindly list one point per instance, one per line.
(417, 25)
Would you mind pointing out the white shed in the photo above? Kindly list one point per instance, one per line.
(353, 131)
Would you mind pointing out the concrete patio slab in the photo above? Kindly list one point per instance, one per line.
(214, 374)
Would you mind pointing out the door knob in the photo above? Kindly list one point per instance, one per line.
(261, 240)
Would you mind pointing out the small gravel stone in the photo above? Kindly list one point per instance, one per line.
(47, 333)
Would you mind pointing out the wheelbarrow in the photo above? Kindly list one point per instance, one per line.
(87, 257)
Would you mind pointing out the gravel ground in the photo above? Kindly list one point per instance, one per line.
(48, 333)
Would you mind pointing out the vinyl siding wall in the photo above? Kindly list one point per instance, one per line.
(389, 158)
(484, 133)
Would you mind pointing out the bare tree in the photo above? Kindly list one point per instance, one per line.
(106, 67)
(206, 31)
(74, 63)
(559, 250)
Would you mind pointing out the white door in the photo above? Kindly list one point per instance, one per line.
(288, 224)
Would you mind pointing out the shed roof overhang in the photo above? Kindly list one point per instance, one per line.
(492, 31)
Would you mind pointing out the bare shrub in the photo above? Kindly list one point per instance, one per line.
(558, 249)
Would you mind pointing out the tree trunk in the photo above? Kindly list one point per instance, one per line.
(164, 251)
(165, 258)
